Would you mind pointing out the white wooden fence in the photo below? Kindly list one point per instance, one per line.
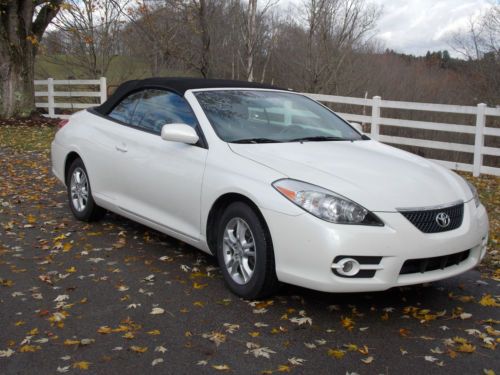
(481, 112)
(51, 94)
(480, 130)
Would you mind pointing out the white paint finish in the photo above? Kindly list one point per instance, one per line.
(50, 93)
(179, 133)
(50, 97)
(375, 130)
(306, 246)
(479, 139)
(481, 111)
(171, 186)
(360, 171)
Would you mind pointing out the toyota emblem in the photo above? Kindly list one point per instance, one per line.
(443, 219)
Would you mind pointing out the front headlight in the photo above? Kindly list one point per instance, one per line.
(325, 204)
(474, 193)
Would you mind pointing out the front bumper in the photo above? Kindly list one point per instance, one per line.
(306, 246)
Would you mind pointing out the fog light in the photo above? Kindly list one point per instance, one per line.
(347, 267)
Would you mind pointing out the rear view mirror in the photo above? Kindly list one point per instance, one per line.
(179, 133)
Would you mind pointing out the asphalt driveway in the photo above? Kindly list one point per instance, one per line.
(117, 297)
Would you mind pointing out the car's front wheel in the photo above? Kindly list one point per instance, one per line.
(80, 198)
(245, 253)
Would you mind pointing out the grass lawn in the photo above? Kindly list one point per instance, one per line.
(36, 135)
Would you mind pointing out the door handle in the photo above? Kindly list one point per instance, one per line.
(122, 148)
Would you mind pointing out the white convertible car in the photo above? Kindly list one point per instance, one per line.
(276, 185)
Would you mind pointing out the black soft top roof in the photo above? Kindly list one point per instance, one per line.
(178, 85)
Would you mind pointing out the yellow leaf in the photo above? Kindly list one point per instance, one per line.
(31, 219)
(199, 286)
(29, 348)
(221, 367)
(128, 335)
(466, 348)
(198, 303)
(67, 247)
(488, 300)
(71, 270)
(254, 334)
(347, 323)
(104, 330)
(139, 349)
(488, 372)
(33, 332)
(60, 238)
(351, 347)
(154, 332)
(71, 342)
(20, 323)
(82, 365)
(5, 282)
(284, 368)
(336, 353)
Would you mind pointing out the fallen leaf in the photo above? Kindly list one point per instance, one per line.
(157, 361)
(367, 360)
(157, 311)
(139, 349)
(82, 365)
(221, 367)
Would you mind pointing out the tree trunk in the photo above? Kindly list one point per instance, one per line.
(17, 87)
(19, 39)
(205, 63)
(250, 38)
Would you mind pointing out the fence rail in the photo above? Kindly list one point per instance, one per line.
(480, 130)
(51, 94)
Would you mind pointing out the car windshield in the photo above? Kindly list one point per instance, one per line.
(259, 116)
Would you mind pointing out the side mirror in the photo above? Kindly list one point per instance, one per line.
(357, 126)
(179, 133)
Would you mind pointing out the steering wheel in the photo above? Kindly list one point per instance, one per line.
(290, 129)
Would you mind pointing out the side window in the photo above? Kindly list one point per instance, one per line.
(158, 107)
(125, 109)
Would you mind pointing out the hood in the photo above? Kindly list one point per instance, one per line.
(377, 176)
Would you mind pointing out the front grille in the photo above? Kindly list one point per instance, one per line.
(426, 221)
(431, 264)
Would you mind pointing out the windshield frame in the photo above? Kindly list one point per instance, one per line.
(215, 130)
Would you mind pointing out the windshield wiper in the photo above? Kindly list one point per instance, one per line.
(319, 138)
(256, 140)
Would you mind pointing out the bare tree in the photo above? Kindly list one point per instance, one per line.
(22, 26)
(335, 28)
(89, 32)
(480, 45)
(253, 33)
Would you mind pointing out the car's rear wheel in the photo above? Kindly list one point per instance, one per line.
(245, 252)
(80, 198)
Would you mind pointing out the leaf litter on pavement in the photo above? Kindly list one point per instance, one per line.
(117, 296)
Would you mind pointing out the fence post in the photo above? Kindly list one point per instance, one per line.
(479, 139)
(50, 97)
(103, 89)
(375, 128)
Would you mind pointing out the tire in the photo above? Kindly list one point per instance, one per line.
(234, 253)
(80, 198)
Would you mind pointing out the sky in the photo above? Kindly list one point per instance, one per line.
(416, 26)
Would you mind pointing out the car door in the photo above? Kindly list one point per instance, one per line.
(161, 180)
(105, 151)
